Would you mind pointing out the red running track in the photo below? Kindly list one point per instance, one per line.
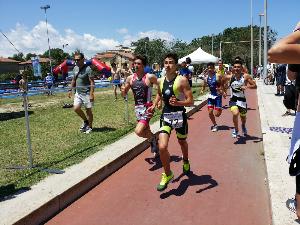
(226, 187)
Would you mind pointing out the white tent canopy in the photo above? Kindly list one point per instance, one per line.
(199, 56)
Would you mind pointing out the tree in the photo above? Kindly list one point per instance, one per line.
(29, 55)
(180, 47)
(57, 55)
(154, 50)
(18, 57)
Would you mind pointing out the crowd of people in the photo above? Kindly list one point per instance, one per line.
(174, 93)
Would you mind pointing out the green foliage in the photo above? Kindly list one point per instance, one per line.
(57, 55)
(4, 77)
(18, 57)
(29, 55)
(155, 49)
(55, 138)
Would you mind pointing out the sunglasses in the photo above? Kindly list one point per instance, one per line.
(77, 60)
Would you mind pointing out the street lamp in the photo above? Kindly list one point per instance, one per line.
(251, 37)
(45, 9)
(265, 39)
(212, 44)
(259, 55)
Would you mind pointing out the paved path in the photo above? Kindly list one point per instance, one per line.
(227, 186)
(276, 145)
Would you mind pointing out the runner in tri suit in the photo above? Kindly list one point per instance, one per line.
(176, 93)
(214, 101)
(239, 82)
(141, 85)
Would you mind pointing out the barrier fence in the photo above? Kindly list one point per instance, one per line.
(52, 137)
(30, 110)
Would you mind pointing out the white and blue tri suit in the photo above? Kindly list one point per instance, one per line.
(214, 100)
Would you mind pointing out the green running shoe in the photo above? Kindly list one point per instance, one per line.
(164, 181)
(186, 167)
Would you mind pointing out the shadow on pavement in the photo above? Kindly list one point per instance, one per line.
(244, 139)
(191, 180)
(157, 163)
(13, 115)
(224, 127)
(10, 191)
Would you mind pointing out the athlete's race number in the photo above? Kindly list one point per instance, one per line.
(140, 112)
(174, 118)
(241, 104)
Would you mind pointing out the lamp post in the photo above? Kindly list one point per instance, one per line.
(220, 49)
(251, 37)
(212, 44)
(265, 38)
(45, 9)
(259, 55)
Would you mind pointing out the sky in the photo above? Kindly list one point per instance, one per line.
(96, 25)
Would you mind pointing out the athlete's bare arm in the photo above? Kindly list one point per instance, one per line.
(250, 83)
(152, 78)
(287, 50)
(186, 89)
(158, 97)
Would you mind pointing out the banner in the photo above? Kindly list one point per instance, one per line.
(36, 66)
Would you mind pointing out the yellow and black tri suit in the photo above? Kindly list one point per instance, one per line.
(238, 98)
(173, 116)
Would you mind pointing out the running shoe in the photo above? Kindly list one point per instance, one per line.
(244, 129)
(234, 133)
(88, 130)
(214, 128)
(186, 167)
(83, 126)
(164, 181)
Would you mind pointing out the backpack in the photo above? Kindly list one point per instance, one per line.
(289, 99)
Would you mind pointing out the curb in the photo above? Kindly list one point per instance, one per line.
(61, 201)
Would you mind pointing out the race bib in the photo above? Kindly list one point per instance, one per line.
(212, 96)
(174, 118)
(241, 104)
(140, 112)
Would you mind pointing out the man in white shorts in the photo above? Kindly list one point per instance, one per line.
(83, 83)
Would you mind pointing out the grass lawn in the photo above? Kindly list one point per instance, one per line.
(55, 137)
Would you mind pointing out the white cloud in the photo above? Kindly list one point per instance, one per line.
(122, 31)
(35, 40)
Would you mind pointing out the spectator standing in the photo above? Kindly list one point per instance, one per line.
(280, 75)
(83, 83)
(49, 81)
(191, 69)
(23, 85)
(116, 78)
